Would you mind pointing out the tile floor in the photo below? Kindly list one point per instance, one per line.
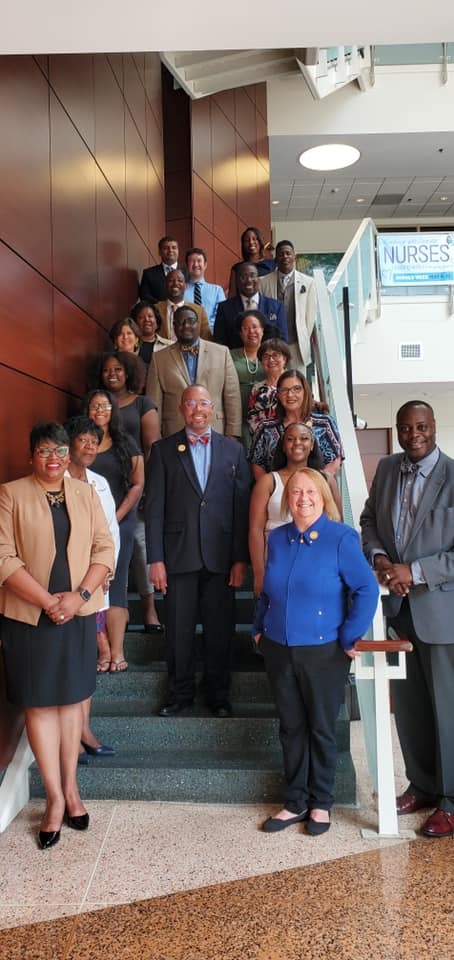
(157, 881)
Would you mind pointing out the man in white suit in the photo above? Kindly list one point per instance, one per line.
(297, 292)
(192, 361)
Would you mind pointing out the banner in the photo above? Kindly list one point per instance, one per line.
(416, 259)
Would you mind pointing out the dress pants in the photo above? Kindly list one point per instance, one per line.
(424, 711)
(308, 684)
(188, 596)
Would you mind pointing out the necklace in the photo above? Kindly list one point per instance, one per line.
(55, 499)
(253, 365)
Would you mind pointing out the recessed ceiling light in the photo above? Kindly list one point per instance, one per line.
(275, 202)
(444, 198)
(329, 156)
(360, 199)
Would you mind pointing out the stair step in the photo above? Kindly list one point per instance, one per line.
(197, 776)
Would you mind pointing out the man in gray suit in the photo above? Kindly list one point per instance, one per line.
(408, 535)
(194, 361)
(297, 292)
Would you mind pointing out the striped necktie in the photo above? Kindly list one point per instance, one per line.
(198, 294)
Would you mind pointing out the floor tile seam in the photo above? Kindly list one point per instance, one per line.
(99, 855)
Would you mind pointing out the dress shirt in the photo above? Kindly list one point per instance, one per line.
(201, 458)
(191, 361)
(212, 295)
(168, 267)
(171, 307)
(251, 303)
(425, 467)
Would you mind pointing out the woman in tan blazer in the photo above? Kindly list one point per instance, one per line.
(55, 553)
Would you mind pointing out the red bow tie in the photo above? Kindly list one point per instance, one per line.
(196, 438)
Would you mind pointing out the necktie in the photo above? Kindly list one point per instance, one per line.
(409, 472)
(193, 350)
(249, 303)
(198, 438)
(198, 294)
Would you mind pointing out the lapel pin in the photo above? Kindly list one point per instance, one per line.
(313, 535)
(181, 447)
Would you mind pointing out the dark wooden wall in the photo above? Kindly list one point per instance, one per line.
(82, 207)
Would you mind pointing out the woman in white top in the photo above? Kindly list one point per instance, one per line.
(298, 448)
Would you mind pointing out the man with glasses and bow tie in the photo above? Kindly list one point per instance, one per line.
(196, 518)
(408, 536)
(192, 360)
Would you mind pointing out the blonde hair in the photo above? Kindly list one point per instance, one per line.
(329, 507)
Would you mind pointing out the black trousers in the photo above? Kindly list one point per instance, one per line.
(308, 685)
(190, 595)
(424, 711)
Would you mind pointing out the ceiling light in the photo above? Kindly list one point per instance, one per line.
(329, 156)
(444, 198)
(360, 199)
(275, 202)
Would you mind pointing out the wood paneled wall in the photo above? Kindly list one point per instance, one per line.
(230, 174)
(82, 208)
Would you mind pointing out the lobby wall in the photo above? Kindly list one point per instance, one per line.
(82, 201)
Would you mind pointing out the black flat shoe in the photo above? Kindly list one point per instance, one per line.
(78, 823)
(315, 828)
(48, 838)
(102, 751)
(171, 709)
(274, 824)
(153, 628)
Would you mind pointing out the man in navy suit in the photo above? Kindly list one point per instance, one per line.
(408, 536)
(225, 327)
(153, 282)
(196, 516)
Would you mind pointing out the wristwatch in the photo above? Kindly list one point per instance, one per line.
(85, 594)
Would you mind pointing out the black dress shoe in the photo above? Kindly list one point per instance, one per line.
(275, 825)
(48, 838)
(102, 751)
(174, 707)
(153, 628)
(78, 823)
(223, 709)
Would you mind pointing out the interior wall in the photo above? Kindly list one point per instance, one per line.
(82, 205)
(230, 174)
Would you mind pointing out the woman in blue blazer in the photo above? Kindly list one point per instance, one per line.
(319, 597)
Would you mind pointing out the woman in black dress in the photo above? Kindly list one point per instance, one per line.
(55, 552)
(120, 461)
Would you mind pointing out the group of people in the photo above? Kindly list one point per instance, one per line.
(172, 486)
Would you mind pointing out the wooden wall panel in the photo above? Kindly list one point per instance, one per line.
(230, 162)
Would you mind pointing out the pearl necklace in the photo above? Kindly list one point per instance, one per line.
(252, 366)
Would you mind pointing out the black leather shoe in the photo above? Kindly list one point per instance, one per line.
(223, 709)
(315, 828)
(275, 825)
(78, 823)
(102, 751)
(153, 628)
(176, 706)
(48, 838)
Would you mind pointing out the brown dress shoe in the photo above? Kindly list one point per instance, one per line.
(410, 803)
(439, 824)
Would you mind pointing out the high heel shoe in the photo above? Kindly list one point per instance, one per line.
(48, 838)
(101, 751)
(79, 822)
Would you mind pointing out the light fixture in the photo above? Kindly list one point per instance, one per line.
(360, 199)
(274, 203)
(444, 198)
(329, 156)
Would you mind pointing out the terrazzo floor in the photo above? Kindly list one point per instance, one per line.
(152, 881)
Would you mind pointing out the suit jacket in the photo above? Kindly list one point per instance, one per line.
(186, 527)
(431, 542)
(205, 331)
(153, 283)
(27, 540)
(225, 329)
(168, 376)
(305, 307)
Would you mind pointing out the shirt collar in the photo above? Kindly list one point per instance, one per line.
(311, 534)
(427, 464)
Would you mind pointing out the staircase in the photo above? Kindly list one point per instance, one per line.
(193, 756)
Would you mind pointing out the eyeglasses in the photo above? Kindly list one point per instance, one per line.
(188, 321)
(46, 452)
(88, 441)
(192, 404)
(286, 390)
(100, 406)
(272, 356)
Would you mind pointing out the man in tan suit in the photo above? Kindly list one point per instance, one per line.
(175, 286)
(298, 294)
(192, 361)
